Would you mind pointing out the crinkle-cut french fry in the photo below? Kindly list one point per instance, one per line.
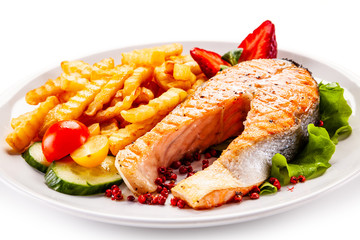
(76, 105)
(109, 90)
(94, 129)
(183, 72)
(50, 118)
(145, 96)
(182, 59)
(140, 75)
(185, 85)
(154, 87)
(194, 66)
(77, 67)
(28, 129)
(161, 105)
(72, 83)
(98, 73)
(65, 96)
(115, 110)
(167, 81)
(108, 127)
(144, 57)
(162, 78)
(119, 139)
(119, 94)
(154, 56)
(105, 64)
(115, 100)
(40, 94)
(171, 49)
(18, 120)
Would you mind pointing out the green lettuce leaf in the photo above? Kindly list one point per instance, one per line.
(267, 188)
(311, 162)
(233, 56)
(334, 111)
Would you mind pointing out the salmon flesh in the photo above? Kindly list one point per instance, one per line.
(266, 104)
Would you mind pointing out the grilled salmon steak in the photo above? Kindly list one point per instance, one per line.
(266, 103)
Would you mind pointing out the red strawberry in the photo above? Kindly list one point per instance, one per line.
(208, 61)
(261, 43)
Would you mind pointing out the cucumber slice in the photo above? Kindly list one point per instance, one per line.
(34, 157)
(70, 178)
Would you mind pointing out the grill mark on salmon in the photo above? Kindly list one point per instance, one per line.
(267, 104)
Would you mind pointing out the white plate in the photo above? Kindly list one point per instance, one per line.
(345, 164)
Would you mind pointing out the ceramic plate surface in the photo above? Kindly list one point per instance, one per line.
(345, 163)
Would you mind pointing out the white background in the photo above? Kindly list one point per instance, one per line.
(38, 35)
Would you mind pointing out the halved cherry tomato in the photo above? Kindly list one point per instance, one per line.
(92, 152)
(62, 138)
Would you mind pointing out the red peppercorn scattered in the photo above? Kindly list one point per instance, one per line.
(172, 176)
(213, 152)
(205, 164)
(196, 156)
(187, 163)
(130, 198)
(255, 189)
(168, 173)
(277, 185)
(183, 170)
(155, 200)
(161, 200)
(302, 178)
(190, 174)
(108, 193)
(205, 161)
(188, 156)
(207, 155)
(175, 165)
(159, 181)
(275, 182)
(294, 180)
(181, 203)
(149, 198)
(169, 185)
(320, 123)
(142, 199)
(174, 201)
(189, 169)
(114, 193)
(237, 198)
(165, 192)
(161, 170)
(159, 189)
(254, 195)
(163, 179)
(117, 196)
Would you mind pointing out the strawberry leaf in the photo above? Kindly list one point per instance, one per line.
(233, 56)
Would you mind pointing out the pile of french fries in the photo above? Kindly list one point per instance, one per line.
(121, 101)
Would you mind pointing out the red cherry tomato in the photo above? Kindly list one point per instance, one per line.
(62, 138)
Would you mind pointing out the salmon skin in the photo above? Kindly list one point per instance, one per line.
(266, 103)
